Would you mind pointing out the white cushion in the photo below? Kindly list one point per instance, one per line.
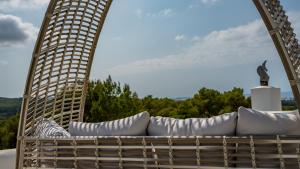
(215, 126)
(253, 122)
(130, 126)
(49, 128)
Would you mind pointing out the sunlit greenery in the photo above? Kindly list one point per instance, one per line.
(8, 132)
(108, 100)
(9, 107)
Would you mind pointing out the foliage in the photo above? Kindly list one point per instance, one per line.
(8, 132)
(288, 104)
(109, 100)
(9, 107)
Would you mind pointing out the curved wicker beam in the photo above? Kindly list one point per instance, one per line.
(61, 63)
(284, 39)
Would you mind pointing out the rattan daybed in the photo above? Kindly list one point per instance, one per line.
(56, 89)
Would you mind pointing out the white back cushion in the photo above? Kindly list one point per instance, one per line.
(253, 122)
(215, 126)
(131, 126)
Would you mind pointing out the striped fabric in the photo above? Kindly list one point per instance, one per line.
(49, 128)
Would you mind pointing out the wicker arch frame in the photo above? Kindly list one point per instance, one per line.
(59, 72)
(60, 67)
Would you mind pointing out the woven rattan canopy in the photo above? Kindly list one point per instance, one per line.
(58, 77)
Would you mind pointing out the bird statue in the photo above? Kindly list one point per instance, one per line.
(262, 72)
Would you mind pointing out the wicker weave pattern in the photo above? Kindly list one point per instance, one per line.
(163, 152)
(58, 77)
(284, 39)
(62, 61)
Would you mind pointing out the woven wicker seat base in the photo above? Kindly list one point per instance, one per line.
(162, 152)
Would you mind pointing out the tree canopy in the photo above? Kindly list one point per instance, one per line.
(8, 132)
(109, 100)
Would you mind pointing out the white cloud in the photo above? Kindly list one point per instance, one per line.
(202, 2)
(7, 5)
(196, 38)
(15, 31)
(180, 37)
(139, 13)
(233, 46)
(167, 12)
(209, 2)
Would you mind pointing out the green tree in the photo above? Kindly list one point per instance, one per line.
(186, 109)
(234, 99)
(8, 132)
(108, 100)
(208, 102)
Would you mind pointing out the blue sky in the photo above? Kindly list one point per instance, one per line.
(167, 48)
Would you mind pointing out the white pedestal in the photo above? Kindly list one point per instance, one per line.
(266, 98)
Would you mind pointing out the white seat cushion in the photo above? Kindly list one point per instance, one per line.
(131, 126)
(253, 122)
(215, 126)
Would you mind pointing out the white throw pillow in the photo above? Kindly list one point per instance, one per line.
(49, 128)
(131, 126)
(253, 122)
(215, 126)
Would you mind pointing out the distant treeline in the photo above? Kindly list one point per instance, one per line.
(288, 104)
(9, 107)
(109, 100)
